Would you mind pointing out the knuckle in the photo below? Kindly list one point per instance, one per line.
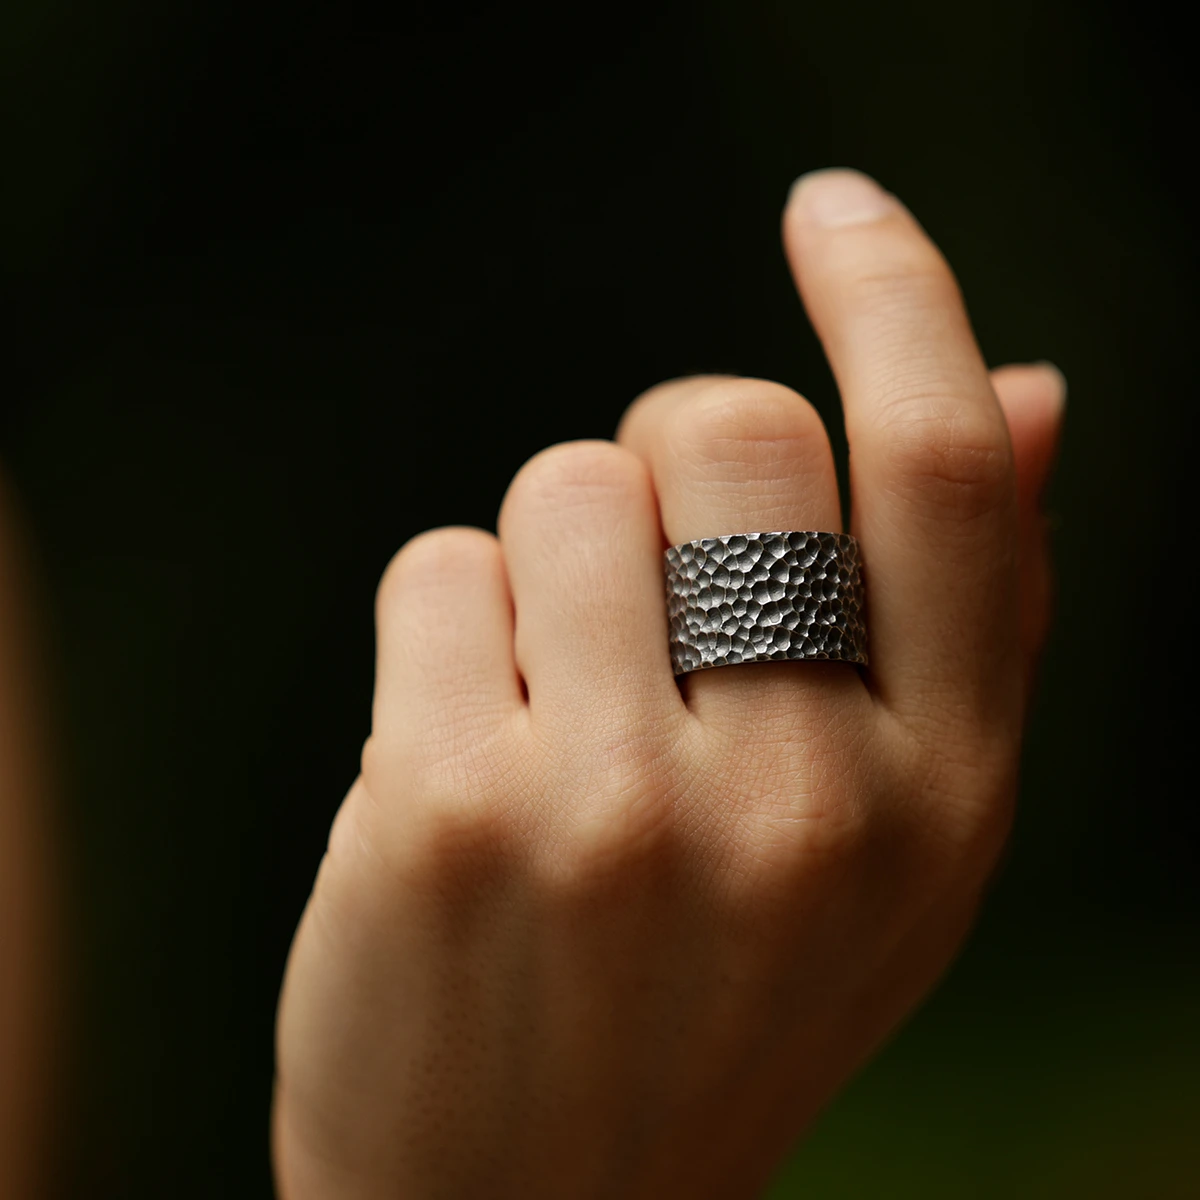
(795, 828)
(748, 422)
(581, 473)
(600, 843)
(774, 871)
(353, 834)
(946, 452)
(772, 848)
(440, 772)
(436, 556)
(437, 812)
(665, 393)
(620, 815)
(795, 839)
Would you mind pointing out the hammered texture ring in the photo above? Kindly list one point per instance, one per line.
(765, 597)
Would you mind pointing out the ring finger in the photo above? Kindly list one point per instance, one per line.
(732, 455)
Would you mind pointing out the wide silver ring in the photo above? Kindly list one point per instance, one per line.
(765, 597)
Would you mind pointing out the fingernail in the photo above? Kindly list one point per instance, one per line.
(1046, 365)
(835, 196)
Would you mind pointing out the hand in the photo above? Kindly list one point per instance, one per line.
(584, 932)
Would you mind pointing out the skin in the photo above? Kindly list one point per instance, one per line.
(581, 930)
(26, 926)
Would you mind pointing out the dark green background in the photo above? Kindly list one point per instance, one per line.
(294, 282)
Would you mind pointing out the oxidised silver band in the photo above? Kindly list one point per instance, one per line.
(765, 597)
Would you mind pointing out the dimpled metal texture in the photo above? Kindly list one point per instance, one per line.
(765, 597)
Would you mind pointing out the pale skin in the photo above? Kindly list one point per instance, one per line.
(583, 931)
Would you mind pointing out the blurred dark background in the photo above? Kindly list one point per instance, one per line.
(293, 282)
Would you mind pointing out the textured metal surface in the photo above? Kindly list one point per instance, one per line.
(765, 597)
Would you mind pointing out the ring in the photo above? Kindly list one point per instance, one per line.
(765, 597)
